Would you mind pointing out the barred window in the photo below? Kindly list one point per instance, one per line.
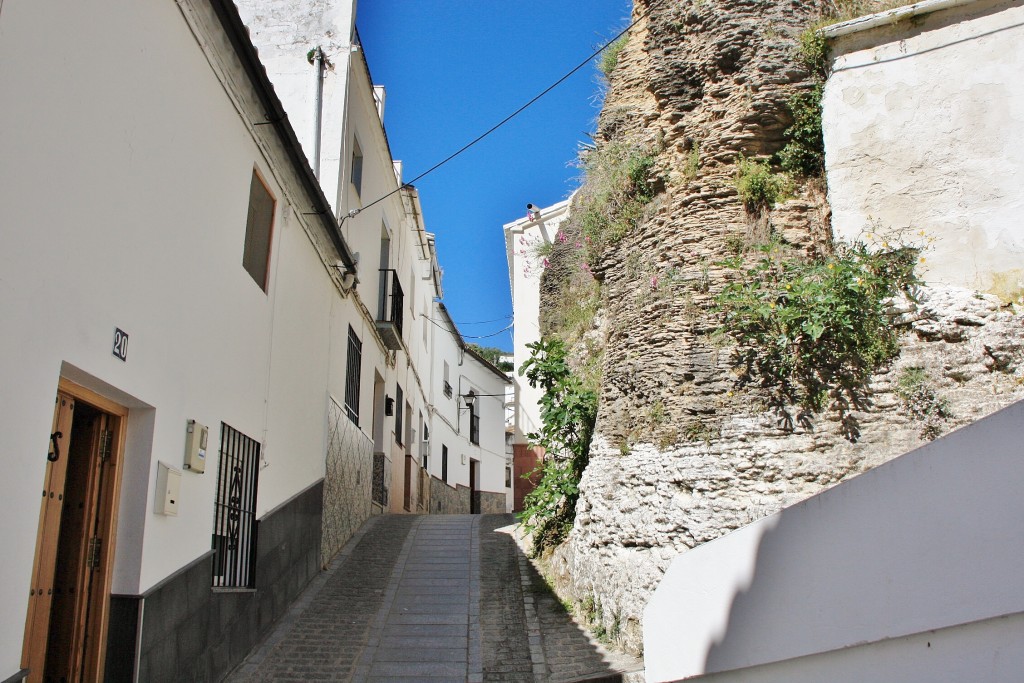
(354, 367)
(234, 524)
(399, 424)
(444, 463)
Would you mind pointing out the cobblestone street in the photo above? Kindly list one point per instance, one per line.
(430, 598)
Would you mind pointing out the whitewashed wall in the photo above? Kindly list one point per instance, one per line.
(922, 122)
(125, 189)
(284, 32)
(909, 572)
(525, 267)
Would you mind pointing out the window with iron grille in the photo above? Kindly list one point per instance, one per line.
(444, 463)
(234, 523)
(474, 426)
(354, 367)
(399, 424)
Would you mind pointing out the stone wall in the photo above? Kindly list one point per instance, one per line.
(448, 500)
(347, 481)
(492, 503)
(639, 509)
(680, 455)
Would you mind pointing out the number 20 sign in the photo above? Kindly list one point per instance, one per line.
(120, 344)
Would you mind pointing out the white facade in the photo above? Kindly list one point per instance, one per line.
(125, 172)
(523, 239)
(922, 115)
(459, 371)
(908, 572)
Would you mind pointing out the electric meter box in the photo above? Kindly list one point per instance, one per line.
(168, 487)
(195, 447)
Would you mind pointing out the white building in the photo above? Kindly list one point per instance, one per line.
(467, 448)
(525, 242)
(922, 114)
(239, 381)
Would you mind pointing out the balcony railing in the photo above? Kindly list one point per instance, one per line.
(390, 309)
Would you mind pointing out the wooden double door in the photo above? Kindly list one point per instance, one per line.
(69, 596)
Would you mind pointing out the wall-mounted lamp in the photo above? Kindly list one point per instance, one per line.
(348, 277)
(389, 406)
(470, 399)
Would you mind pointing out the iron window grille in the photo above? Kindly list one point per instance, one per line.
(399, 415)
(234, 524)
(354, 366)
(474, 426)
(447, 389)
(392, 299)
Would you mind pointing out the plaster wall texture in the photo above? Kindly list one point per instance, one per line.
(921, 122)
(865, 562)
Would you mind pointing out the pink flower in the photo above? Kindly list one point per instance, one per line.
(654, 282)
(562, 237)
(545, 263)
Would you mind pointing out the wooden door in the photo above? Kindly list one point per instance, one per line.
(37, 623)
(65, 632)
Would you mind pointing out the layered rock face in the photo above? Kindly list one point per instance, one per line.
(680, 456)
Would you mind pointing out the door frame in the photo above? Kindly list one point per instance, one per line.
(107, 507)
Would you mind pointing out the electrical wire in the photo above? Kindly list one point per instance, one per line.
(511, 116)
(436, 324)
(481, 322)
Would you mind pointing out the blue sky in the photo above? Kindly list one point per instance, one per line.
(453, 69)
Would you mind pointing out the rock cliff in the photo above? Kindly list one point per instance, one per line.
(681, 456)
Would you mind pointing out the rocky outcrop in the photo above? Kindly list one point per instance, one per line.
(641, 507)
(681, 456)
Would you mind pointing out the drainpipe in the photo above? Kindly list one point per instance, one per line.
(318, 106)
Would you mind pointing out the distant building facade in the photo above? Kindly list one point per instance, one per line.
(524, 240)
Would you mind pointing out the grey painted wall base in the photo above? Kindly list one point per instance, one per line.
(188, 631)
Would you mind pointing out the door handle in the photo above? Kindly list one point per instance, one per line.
(54, 455)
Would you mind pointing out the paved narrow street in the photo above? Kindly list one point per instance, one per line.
(430, 598)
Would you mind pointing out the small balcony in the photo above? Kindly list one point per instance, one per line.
(390, 309)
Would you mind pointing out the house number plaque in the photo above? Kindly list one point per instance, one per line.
(120, 344)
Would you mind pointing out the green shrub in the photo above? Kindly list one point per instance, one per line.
(813, 50)
(610, 55)
(812, 332)
(804, 152)
(568, 413)
(757, 186)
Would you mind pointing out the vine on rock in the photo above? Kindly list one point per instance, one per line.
(568, 414)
